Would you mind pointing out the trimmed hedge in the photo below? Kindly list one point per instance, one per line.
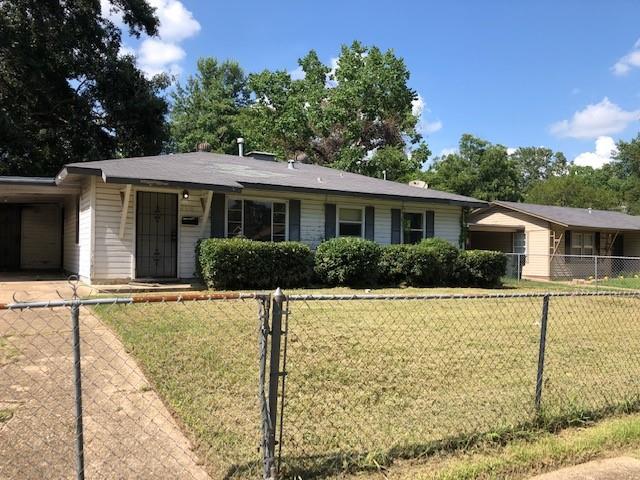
(396, 264)
(481, 268)
(348, 261)
(435, 262)
(236, 263)
(242, 264)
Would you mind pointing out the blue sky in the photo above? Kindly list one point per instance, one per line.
(563, 74)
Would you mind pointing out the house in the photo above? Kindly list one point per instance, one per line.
(140, 218)
(557, 242)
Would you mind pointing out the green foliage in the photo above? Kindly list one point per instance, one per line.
(357, 117)
(240, 263)
(479, 169)
(537, 164)
(206, 108)
(581, 187)
(481, 268)
(348, 261)
(396, 264)
(67, 93)
(433, 263)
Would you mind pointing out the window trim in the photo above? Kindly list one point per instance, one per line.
(424, 223)
(77, 219)
(582, 233)
(362, 222)
(242, 198)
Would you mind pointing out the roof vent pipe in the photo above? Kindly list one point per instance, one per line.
(291, 164)
(240, 146)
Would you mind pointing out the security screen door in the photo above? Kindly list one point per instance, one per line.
(10, 237)
(156, 235)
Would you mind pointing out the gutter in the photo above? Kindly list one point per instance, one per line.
(39, 181)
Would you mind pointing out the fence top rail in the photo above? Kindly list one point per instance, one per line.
(562, 255)
(458, 296)
(131, 299)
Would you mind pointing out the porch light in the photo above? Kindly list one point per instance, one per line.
(185, 194)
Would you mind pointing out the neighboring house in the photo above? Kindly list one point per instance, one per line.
(140, 218)
(551, 236)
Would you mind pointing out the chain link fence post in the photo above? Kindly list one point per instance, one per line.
(541, 352)
(595, 268)
(77, 380)
(270, 467)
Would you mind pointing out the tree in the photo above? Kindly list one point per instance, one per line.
(338, 118)
(539, 163)
(479, 169)
(66, 94)
(582, 187)
(206, 108)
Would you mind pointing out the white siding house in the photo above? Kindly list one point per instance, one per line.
(117, 220)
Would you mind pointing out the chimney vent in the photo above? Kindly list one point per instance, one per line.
(203, 147)
(240, 147)
(291, 164)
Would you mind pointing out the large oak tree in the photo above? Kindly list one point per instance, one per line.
(66, 92)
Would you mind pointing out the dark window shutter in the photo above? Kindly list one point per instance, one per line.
(567, 242)
(369, 223)
(329, 221)
(294, 220)
(596, 249)
(395, 225)
(430, 227)
(217, 215)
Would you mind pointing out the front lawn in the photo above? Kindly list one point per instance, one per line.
(632, 283)
(371, 382)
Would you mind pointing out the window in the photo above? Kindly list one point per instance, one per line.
(519, 242)
(77, 220)
(350, 222)
(412, 227)
(262, 220)
(582, 243)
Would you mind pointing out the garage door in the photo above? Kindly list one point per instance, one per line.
(9, 237)
(41, 237)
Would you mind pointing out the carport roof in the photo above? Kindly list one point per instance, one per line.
(576, 217)
(218, 172)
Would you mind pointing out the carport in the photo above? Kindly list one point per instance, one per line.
(34, 219)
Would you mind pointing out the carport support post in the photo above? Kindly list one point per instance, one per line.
(541, 352)
(75, 319)
(270, 470)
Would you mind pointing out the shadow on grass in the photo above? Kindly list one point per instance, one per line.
(341, 462)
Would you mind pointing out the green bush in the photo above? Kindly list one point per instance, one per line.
(348, 261)
(481, 268)
(396, 263)
(237, 263)
(434, 263)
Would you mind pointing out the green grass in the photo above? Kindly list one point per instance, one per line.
(372, 383)
(632, 283)
(7, 352)
(527, 457)
(5, 415)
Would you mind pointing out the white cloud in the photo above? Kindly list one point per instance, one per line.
(419, 109)
(447, 151)
(595, 120)
(629, 61)
(297, 74)
(176, 22)
(511, 150)
(162, 53)
(417, 106)
(604, 150)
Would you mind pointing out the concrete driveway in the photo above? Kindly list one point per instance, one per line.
(129, 433)
(620, 468)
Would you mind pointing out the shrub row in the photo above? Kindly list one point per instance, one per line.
(237, 263)
(240, 263)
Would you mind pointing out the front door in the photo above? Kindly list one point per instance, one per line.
(156, 235)
(10, 228)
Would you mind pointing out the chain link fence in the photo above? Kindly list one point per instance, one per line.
(588, 268)
(250, 385)
(130, 387)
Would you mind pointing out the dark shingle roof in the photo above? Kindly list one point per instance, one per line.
(577, 217)
(232, 173)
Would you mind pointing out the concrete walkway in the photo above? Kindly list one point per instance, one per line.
(620, 468)
(129, 433)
